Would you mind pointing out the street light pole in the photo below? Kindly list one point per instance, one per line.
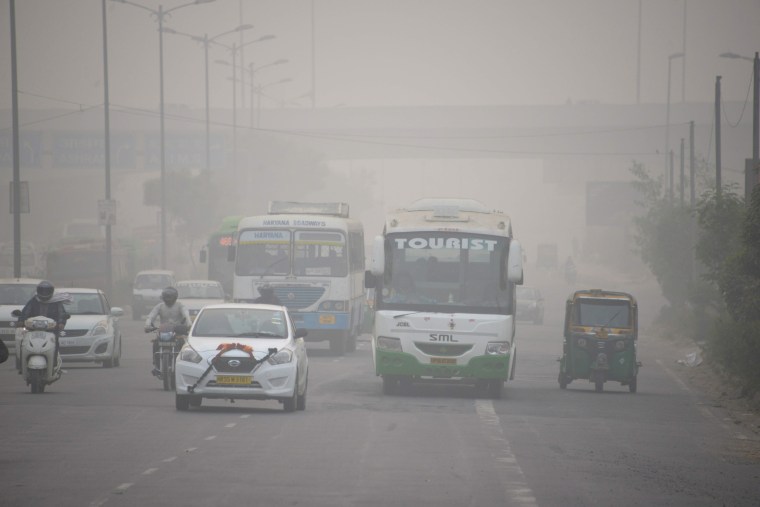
(16, 153)
(160, 14)
(753, 179)
(667, 108)
(106, 109)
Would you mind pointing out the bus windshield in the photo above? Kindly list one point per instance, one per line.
(316, 253)
(446, 272)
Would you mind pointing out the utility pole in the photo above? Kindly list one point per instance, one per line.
(670, 177)
(683, 142)
(756, 117)
(718, 183)
(692, 176)
(16, 152)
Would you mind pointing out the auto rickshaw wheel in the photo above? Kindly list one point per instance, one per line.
(599, 385)
(632, 385)
(562, 381)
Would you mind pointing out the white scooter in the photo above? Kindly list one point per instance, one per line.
(39, 364)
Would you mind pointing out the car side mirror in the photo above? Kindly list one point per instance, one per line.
(301, 333)
(116, 311)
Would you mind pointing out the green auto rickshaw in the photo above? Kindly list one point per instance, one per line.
(601, 328)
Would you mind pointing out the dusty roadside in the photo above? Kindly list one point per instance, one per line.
(724, 399)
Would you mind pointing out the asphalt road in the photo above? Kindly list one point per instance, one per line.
(113, 437)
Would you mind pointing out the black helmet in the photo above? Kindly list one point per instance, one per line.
(45, 291)
(169, 295)
(266, 289)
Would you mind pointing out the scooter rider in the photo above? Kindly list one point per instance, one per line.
(169, 311)
(43, 304)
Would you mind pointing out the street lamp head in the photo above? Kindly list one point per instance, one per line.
(243, 27)
(280, 61)
(222, 62)
(736, 56)
(265, 37)
(198, 2)
(168, 30)
(675, 55)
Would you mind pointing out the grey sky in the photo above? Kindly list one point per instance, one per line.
(389, 52)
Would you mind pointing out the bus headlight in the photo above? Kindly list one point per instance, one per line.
(333, 306)
(497, 348)
(389, 344)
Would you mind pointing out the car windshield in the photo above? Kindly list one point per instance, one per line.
(240, 323)
(85, 304)
(200, 291)
(603, 313)
(16, 293)
(152, 281)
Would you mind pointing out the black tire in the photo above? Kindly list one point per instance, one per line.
(562, 381)
(290, 404)
(37, 381)
(117, 357)
(599, 386)
(495, 388)
(338, 344)
(351, 342)
(301, 405)
(390, 384)
(632, 385)
(166, 370)
(182, 402)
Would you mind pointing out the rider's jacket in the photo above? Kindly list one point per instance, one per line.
(52, 310)
(174, 314)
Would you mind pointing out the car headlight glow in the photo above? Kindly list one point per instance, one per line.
(100, 328)
(497, 348)
(388, 343)
(283, 356)
(190, 355)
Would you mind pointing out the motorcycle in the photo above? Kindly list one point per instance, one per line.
(168, 347)
(38, 363)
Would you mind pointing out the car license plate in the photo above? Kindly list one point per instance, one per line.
(68, 343)
(327, 319)
(443, 360)
(233, 380)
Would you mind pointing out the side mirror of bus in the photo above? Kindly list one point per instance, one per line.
(370, 282)
(203, 256)
(377, 265)
(231, 253)
(514, 263)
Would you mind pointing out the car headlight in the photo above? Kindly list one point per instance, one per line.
(100, 328)
(497, 348)
(389, 343)
(190, 355)
(282, 357)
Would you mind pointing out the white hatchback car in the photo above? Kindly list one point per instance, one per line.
(195, 294)
(92, 333)
(243, 352)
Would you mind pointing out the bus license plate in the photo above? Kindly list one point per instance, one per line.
(443, 360)
(327, 319)
(233, 380)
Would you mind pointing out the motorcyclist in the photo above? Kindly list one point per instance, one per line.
(267, 296)
(168, 311)
(570, 272)
(43, 304)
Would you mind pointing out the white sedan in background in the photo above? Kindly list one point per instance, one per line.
(243, 352)
(92, 333)
(195, 294)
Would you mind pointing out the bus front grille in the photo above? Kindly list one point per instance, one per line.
(296, 298)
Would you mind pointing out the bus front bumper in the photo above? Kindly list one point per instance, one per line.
(404, 364)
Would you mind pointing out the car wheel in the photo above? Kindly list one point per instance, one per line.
(301, 405)
(117, 357)
(182, 401)
(290, 404)
(599, 386)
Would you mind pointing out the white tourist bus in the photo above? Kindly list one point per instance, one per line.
(312, 255)
(444, 273)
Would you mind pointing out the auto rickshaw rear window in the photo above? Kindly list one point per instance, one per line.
(603, 313)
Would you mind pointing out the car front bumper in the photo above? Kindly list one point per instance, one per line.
(267, 382)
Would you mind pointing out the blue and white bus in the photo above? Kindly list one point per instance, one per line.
(312, 255)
